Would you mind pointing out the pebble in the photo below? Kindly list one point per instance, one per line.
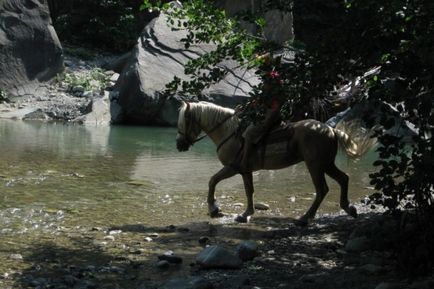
(262, 206)
(148, 239)
(247, 250)
(87, 94)
(17, 257)
(203, 240)
(217, 257)
(154, 235)
(114, 77)
(109, 238)
(163, 264)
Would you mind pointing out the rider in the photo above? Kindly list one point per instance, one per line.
(271, 103)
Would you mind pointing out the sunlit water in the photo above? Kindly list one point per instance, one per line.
(55, 175)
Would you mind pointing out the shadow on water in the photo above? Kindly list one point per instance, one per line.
(291, 257)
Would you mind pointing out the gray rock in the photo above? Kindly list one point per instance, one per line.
(30, 49)
(114, 77)
(99, 113)
(159, 56)
(36, 115)
(116, 113)
(18, 257)
(216, 257)
(190, 283)
(163, 264)
(262, 206)
(88, 94)
(247, 250)
(119, 63)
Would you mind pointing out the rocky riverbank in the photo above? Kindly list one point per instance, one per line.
(334, 252)
(80, 94)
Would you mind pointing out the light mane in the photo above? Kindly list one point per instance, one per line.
(209, 115)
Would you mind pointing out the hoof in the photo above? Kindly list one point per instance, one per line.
(302, 222)
(241, 219)
(352, 211)
(216, 213)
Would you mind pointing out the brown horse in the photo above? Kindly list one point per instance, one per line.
(308, 140)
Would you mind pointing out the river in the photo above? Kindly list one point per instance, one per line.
(64, 189)
(52, 174)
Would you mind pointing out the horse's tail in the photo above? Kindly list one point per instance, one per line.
(353, 139)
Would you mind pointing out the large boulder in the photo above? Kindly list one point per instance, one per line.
(159, 56)
(30, 52)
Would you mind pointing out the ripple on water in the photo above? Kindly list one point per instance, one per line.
(24, 220)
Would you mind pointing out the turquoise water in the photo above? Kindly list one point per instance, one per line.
(55, 175)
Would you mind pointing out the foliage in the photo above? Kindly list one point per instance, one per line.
(93, 80)
(345, 39)
(105, 24)
(405, 178)
(337, 40)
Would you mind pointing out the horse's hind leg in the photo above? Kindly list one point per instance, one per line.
(321, 189)
(224, 173)
(342, 179)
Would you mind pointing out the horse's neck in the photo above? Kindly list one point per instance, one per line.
(217, 128)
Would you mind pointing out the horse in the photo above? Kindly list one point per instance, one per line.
(309, 140)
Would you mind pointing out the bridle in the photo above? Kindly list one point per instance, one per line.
(189, 120)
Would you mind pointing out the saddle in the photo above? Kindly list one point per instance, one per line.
(279, 133)
(276, 141)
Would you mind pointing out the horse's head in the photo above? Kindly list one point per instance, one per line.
(188, 127)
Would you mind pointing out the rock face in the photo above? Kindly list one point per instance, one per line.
(157, 58)
(30, 52)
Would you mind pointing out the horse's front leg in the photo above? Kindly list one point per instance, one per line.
(248, 187)
(224, 173)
